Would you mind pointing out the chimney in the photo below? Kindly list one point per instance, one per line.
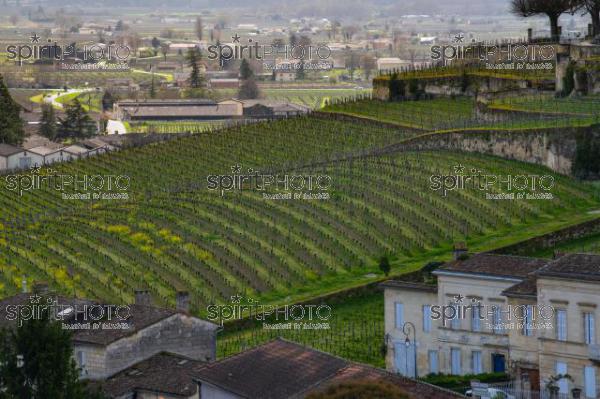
(40, 287)
(460, 250)
(142, 297)
(182, 299)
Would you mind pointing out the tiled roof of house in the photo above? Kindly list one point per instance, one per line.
(573, 266)
(140, 317)
(26, 299)
(275, 370)
(164, 373)
(282, 369)
(495, 265)
(525, 289)
(412, 388)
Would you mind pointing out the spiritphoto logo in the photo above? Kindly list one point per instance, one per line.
(73, 316)
(496, 317)
(85, 186)
(286, 317)
(272, 186)
(532, 56)
(495, 186)
(254, 50)
(113, 55)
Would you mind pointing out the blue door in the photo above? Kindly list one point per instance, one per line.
(498, 363)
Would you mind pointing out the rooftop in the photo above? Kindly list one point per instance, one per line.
(484, 264)
(150, 375)
(277, 369)
(281, 369)
(577, 266)
(7, 150)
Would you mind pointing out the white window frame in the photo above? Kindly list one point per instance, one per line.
(398, 315)
(563, 383)
(497, 320)
(561, 324)
(455, 361)
(475, 320)
(527, 320)
(589, 382)
(476, 362)
(455, 322)
(434, 361)
(589, 328)
(426, 318)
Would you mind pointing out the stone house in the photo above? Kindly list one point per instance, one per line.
(109, 338)
(535, 318)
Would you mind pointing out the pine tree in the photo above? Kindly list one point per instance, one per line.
(77, 122)
(36, 362)
(48, 127)
(245, 70)
(11, 125)
(196, 78)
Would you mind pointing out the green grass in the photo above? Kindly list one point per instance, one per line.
(356, 332)
(442, 114)
(585, 105)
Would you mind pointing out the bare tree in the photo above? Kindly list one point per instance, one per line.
(593, 8)
(551, 8)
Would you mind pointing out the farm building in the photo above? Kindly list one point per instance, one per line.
(74, 152)
(390, 64)
(49, 155)
(176, 110)
(266, 109)
(12, 157)
(231, 83)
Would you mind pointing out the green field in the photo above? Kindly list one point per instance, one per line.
(173, 233)
(356, 332)
(461, 113)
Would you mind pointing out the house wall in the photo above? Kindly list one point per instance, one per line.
(413, 302)
(179, 334)
(3, 163)
(95, 360)
(488, 293)
(444, 339)
(208, 391)
(576, 297)
(154, 395)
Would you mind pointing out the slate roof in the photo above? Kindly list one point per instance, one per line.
(165, 373)
(495, 265)
(281, 369)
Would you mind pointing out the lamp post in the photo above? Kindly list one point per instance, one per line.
(407, 327)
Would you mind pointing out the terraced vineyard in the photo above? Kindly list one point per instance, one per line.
(461, 113)
(173, 233)
(545, 103)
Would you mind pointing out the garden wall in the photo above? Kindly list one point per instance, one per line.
(550, 240)
(554, 148)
